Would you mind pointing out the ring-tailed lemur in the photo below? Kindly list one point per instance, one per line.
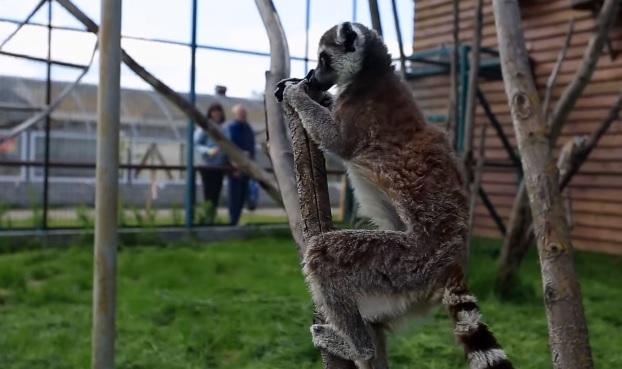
(406, 179)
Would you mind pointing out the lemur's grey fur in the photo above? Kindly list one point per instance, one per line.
(406, 179)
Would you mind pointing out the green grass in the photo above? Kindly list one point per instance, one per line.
(130, 220)
(244, 305)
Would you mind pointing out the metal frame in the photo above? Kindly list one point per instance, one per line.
(193, 45)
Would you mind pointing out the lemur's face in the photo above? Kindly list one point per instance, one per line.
(340, 55)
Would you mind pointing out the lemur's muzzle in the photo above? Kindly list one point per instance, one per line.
(316, 83)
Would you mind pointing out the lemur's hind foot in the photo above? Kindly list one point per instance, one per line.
(328, 338)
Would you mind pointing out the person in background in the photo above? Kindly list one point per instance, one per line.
(241, 134)
(212, 155)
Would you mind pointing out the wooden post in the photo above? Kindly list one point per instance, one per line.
(306, 200)
(374, 14)
(107, 186)
(279, 145)
(568, 336)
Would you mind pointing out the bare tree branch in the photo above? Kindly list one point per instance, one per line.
(477, 181)
(582, 154)
(520, 218)
(237, 156)
(568, 337)
(279, 145)
(452, 113)
(550, 83)
(606, 18)
(474, 62)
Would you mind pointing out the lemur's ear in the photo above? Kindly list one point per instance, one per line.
(346, 35)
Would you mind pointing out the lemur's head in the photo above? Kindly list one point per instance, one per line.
(346, 51)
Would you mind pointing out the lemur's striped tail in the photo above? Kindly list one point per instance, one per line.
(480, 346)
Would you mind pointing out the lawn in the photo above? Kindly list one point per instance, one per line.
(244, 305)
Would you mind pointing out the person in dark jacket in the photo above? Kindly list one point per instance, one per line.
(240, 132)
(212, 155)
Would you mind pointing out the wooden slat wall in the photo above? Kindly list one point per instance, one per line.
(596, 192)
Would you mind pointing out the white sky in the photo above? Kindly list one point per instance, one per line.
(230, 23)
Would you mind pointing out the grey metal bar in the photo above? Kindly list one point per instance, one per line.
(160, 41)
(48, 121)
(190, 178)
(22, 23)
(398, 31)
(107, 186)
(43, 60)
(375, 16)
(307, 25)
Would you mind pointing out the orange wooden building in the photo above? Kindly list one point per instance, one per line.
(596, 191)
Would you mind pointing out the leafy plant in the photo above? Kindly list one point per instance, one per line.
(4, 214)
(35, 207)
(150, 215)
(206, 213)
(85, 220)
(121, 214)
(177, 214)
(139, 219)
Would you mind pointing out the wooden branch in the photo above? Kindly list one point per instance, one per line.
(520, 235)
(519, 221)
(306, 202)
(452, 113)
(564, 164)
(573, 91)
(513, 250)
(237, 156)
(279, 144)
(568, 337)
(474, 62)
(581, 155)
(550, 83)
(477, 181)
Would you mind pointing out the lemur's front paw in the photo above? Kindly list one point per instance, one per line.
(328, 338)
(280, 87)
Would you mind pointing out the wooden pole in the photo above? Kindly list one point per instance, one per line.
(279, 145)
(306, 200)
(374, 14)
(107, 186)
(400, 43)
(568, 336)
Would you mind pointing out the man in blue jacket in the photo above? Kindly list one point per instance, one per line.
(241, 134)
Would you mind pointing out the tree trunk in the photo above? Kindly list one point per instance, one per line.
(519, 224)
(568, 336)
